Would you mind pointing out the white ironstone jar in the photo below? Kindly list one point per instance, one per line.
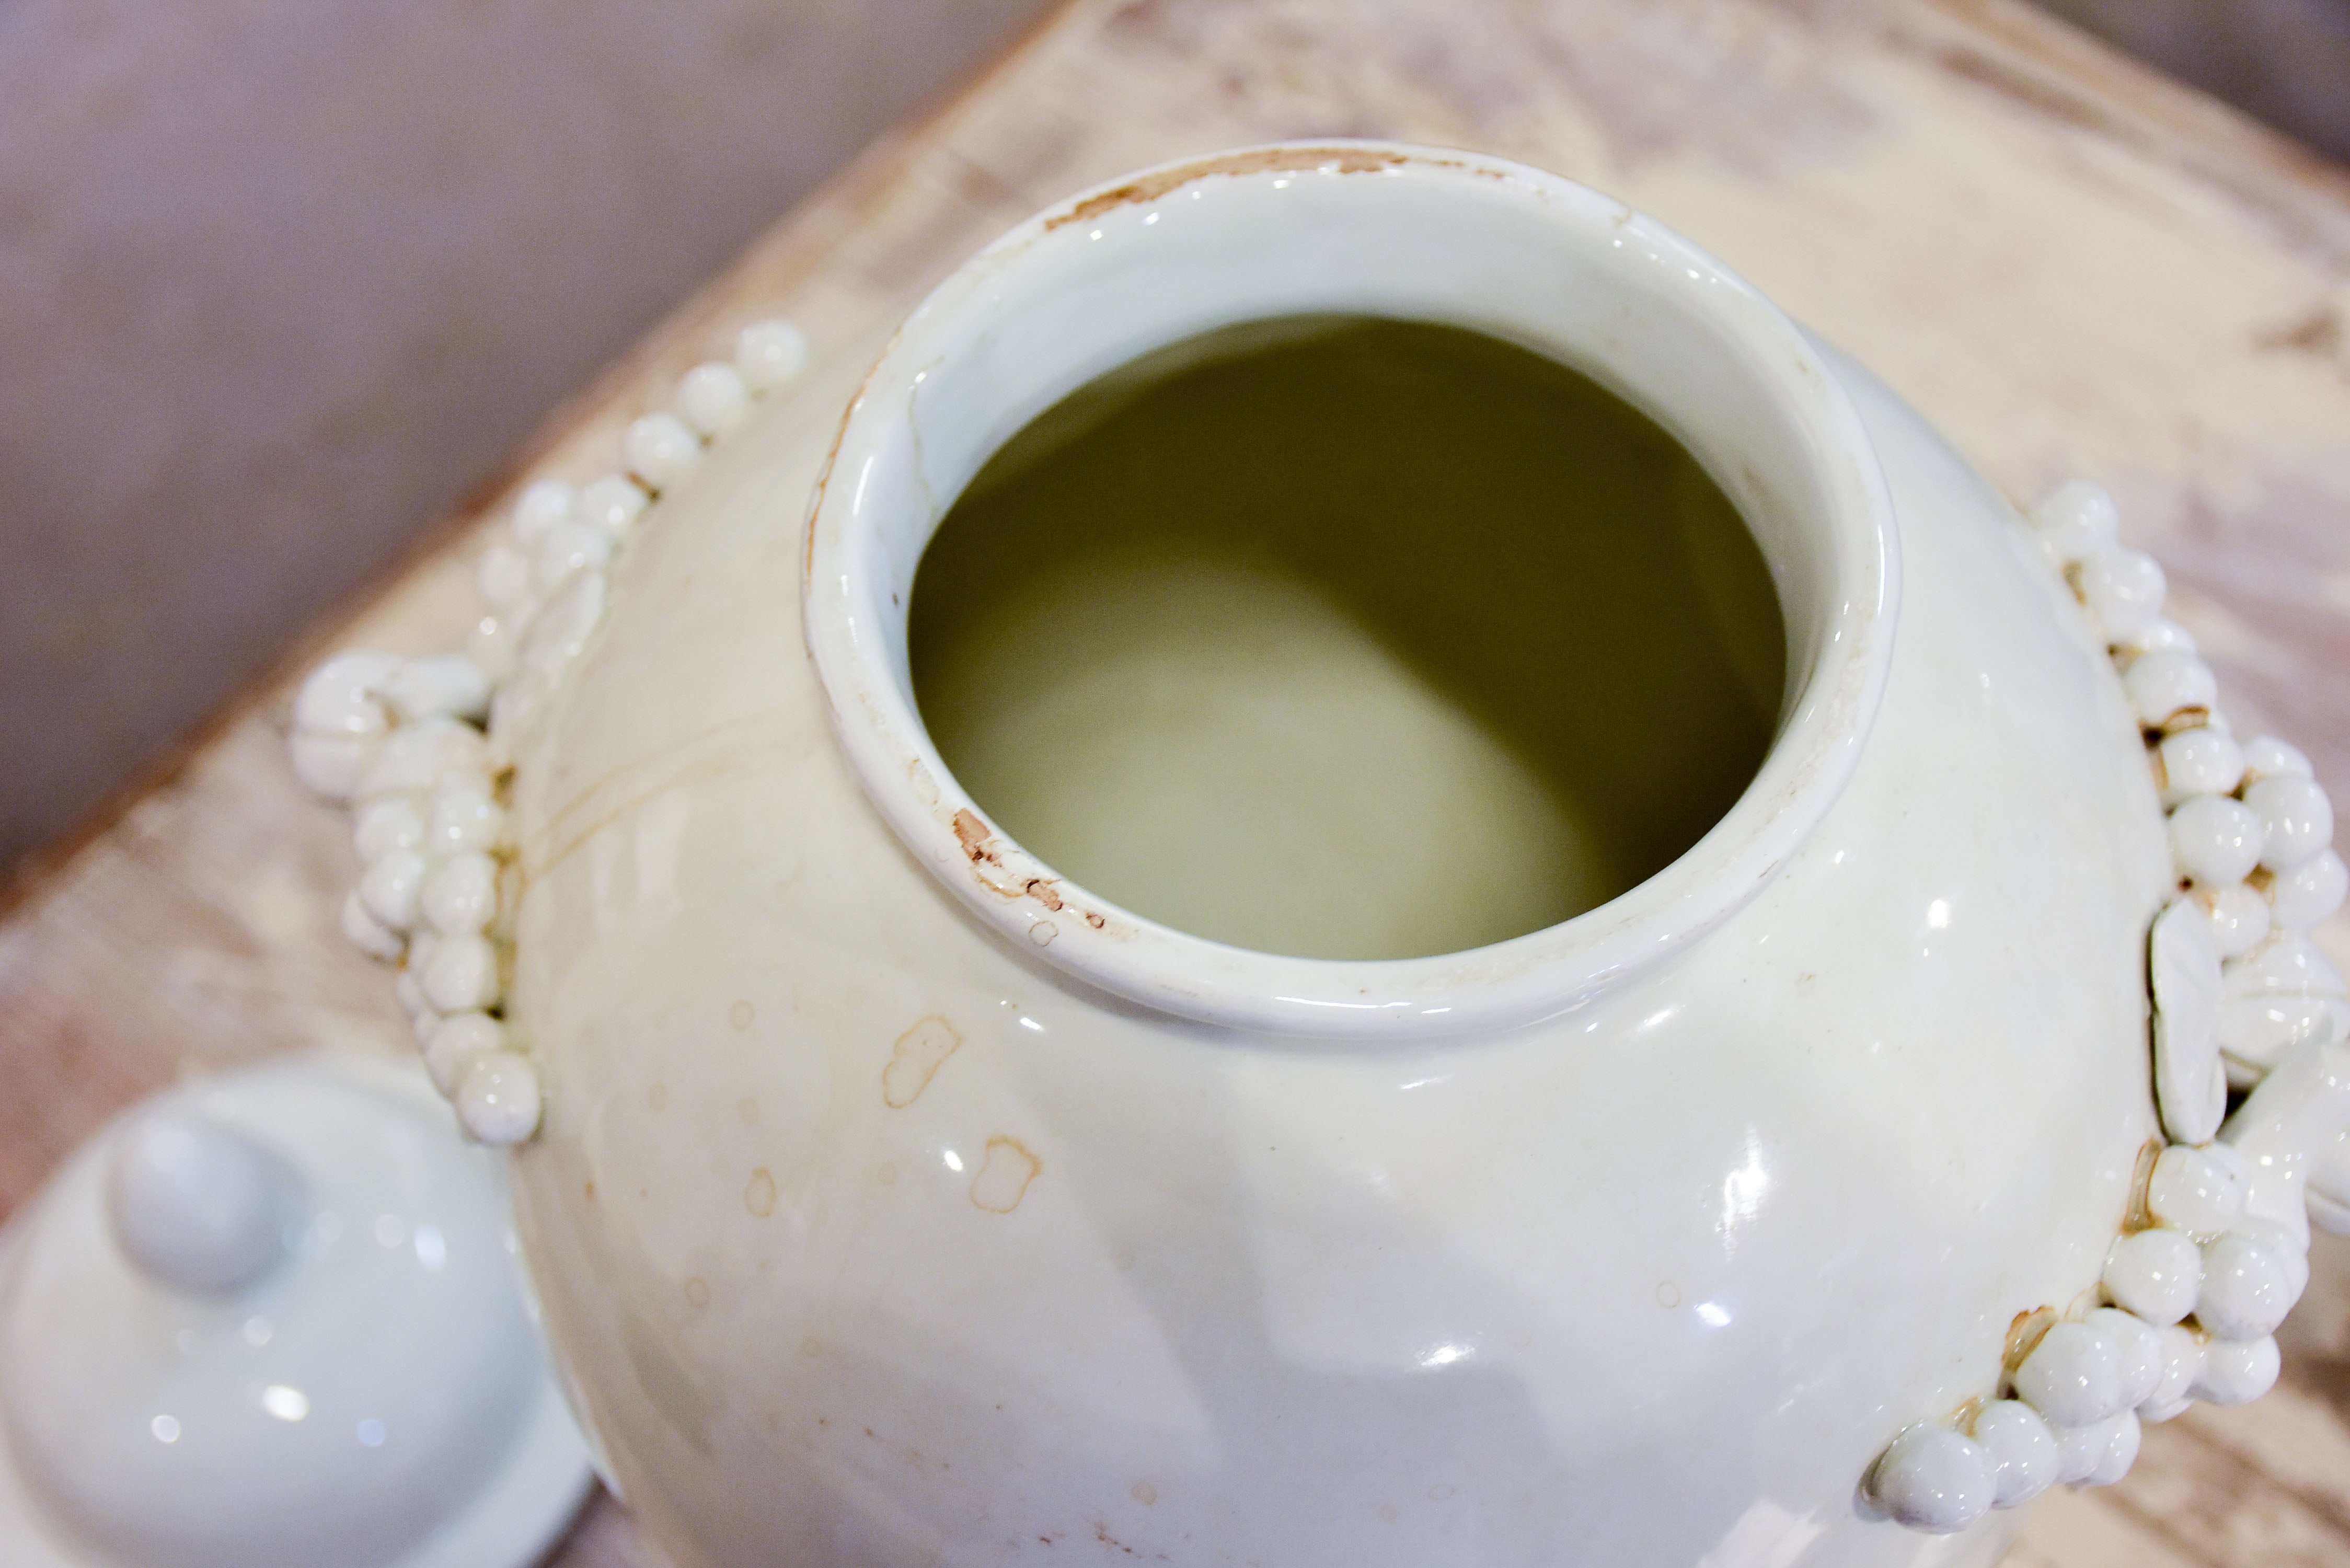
(899, 1200)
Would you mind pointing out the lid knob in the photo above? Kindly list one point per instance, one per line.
(199, 1207)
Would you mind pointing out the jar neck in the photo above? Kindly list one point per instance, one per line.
(1379, 231)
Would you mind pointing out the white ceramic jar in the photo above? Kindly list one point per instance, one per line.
(899, 1200)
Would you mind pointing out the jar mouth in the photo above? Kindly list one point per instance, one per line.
(1373, 230)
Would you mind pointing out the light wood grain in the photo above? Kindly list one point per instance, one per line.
(2068, 265)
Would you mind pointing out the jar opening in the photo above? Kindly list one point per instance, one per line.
(1343, 637)
(1508, 261)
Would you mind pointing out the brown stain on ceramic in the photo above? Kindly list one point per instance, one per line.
(915, 1059)
(1264, 160)
(2139, 1216)
(1145, 1493)
(2024, 1337)
(975, 835)
(697, 1293)
(978, 843)
(1004, 1175)
(1102, 1537)
(832, 458)
(741, 1015)
(759, 1193)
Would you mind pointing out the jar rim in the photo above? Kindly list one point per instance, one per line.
(1369, 228)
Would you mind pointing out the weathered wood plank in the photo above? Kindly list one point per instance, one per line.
(2068, 265)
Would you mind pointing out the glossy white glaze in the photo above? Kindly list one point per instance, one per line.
(403, 739)
(312, 1348)
(2021, 1451)
(874, 1232)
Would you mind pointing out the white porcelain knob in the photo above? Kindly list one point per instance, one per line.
(2170, 689)
(2020, 1450)
(2236, 1372)
(1931, 1478)
(772, 354)
(663, 449)
(714, 399)
(539, 509)
(2191, 1191)
(2074, 1377)
(2310, 891)
(2142, 1352)
(2296, 820)
(201, 1208)
(2246, 1289)
(2155, 1274)
(2124, 589)
(2099, 1454)
(2182, 1361)
(2199, 762)
(2215, 840)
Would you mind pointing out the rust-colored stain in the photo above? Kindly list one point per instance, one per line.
(1004, 1175)
(978, 843)
(1145, 1493)
(741, 1015)
(2023, 1336)
(697, 1292)
(759, 1193)
(1266, 161)
(2141, 1218)
(748, 1109)
(832, 458)
(974, 835)
(915, 1059)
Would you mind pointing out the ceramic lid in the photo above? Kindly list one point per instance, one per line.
(275, 1318)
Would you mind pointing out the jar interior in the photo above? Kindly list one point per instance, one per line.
(1347, 638)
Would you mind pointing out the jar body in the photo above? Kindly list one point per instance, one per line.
(1715, 1235)
(869, 1238)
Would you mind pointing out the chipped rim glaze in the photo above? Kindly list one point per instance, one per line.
(1373, 229)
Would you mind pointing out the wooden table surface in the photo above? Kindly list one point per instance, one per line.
(2071, 265)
